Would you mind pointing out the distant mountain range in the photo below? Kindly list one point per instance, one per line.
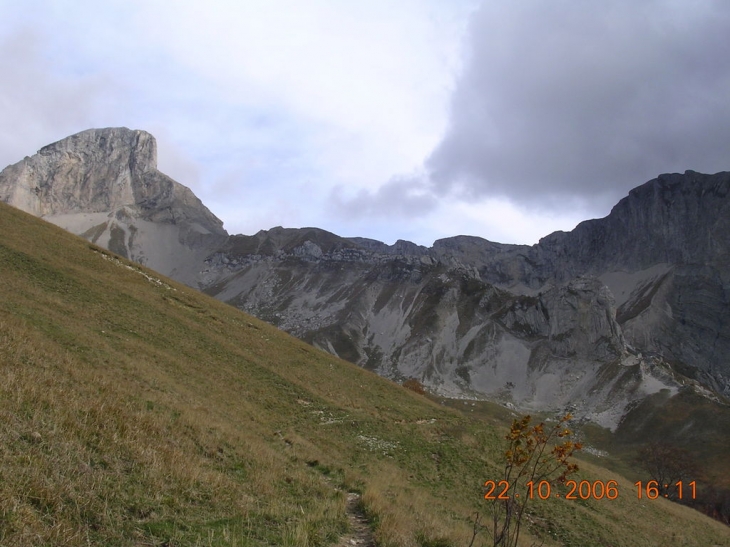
(597, 320)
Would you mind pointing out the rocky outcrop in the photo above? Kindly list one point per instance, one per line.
(90, 172)
(104, 184)
(595, 319)
(666, 249)
(673, 219)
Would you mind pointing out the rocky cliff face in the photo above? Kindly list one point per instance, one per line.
(432, 317)
(596, 319)
(104, 184)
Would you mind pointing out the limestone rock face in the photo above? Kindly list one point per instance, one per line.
(578, 318)
(90, 172)
(674, 219)
(408, 316)
(104, 184)
(102, 170)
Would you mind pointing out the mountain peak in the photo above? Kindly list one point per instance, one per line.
(104, 184)
(98, 171)
(140, 144)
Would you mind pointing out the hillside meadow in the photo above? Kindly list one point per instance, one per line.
(135, 411)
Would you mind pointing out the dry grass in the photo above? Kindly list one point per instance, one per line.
(84, 459)
(134, 412)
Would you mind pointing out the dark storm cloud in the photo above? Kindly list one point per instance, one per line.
(586, 99)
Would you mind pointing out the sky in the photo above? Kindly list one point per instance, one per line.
(407, 119)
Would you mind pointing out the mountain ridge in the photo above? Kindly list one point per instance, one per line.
(596, 319)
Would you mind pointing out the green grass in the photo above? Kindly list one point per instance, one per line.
(135, 411)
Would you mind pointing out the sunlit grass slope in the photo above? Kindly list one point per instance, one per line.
(135, 411)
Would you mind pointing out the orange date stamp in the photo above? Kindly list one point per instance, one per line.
(584, 490)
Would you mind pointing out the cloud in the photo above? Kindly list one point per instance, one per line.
(173, 161)
(402, 197)
(323, 95)
(37, 105)
(582, 101)
(369, 80)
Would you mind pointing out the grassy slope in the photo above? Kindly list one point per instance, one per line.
(134, 412)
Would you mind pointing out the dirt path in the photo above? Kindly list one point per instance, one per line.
(362, 532)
